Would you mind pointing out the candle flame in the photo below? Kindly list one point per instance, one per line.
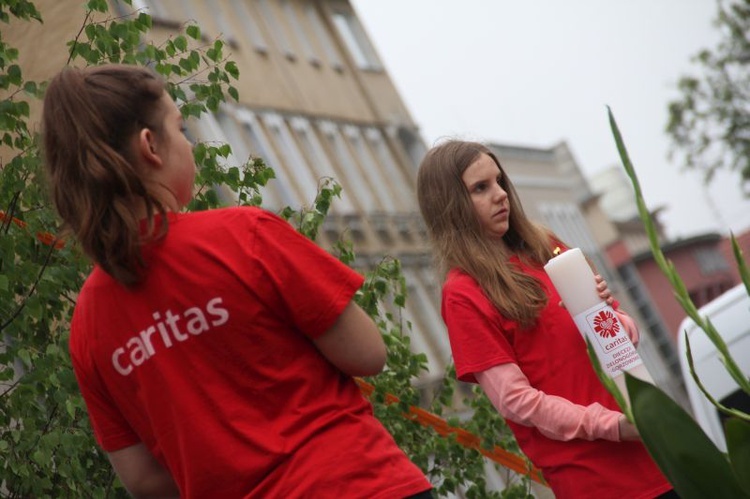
(557, 250)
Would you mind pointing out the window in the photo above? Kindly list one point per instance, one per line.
(298, 30)
(710, 261)
(351, 178)
(324, 36)
(399, 183)
(154, 8)
(260, 143)
(249, 25)
(318, 158)
(412, 144)
(372, 171)
(243, 148)
(356, 41)
(293, 159)
(224, 26)
(277, 29)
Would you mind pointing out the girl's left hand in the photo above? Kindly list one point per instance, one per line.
(604, 293)
(630, 327)
(628, 323)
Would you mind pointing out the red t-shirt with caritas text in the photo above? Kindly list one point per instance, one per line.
(209, 363)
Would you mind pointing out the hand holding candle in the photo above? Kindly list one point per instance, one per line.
(575, 282)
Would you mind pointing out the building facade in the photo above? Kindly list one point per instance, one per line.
(704, 268)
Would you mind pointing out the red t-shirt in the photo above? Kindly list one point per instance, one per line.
(209, 363)
(553, 357)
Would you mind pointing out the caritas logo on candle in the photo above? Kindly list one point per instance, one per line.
(615, 351)
(607, 330)
(606, 324)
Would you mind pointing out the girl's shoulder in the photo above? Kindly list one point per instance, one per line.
(229, 215)
(457, 275)
(459, 282)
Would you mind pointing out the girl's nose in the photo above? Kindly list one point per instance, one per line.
(499, 193)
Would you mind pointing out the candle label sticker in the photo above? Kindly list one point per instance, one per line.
(606, 333)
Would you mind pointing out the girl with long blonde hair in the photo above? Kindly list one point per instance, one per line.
(509, 333)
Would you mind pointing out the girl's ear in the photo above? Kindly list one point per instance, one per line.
(147, 147)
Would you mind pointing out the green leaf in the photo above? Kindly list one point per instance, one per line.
(181, 43)
(193, 32)
(30, 87)
(11, 54)
(14, 74)
(23, 108)
(145, 20)
(24, 355)
(687, 457)
(738, 446)
(185, 64)
(231, 68)
(40, 457)
(90, 31)
(97, 5)
(608, 382)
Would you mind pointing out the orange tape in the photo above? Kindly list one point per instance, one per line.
(43, 237)
(463, 437)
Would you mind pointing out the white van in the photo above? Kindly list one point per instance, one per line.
(730, 315)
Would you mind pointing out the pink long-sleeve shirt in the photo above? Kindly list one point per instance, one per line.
(555, 417)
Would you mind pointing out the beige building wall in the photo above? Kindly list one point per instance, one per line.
(42, 50)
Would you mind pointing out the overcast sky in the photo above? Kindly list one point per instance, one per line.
(536, 72)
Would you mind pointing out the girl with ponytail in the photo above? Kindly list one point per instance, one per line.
(215, 350)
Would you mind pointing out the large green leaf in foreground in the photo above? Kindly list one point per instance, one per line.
(738, 446)
(687, 457)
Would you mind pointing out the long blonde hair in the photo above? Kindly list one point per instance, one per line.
(460, 242)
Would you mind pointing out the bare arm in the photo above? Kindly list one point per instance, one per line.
(141, 474)
(353, 343)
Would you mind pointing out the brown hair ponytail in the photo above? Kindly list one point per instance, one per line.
(91, 119)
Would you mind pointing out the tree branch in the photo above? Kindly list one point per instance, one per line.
(33, 288)
(75, 40)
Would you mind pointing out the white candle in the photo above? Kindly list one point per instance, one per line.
(574, 280)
